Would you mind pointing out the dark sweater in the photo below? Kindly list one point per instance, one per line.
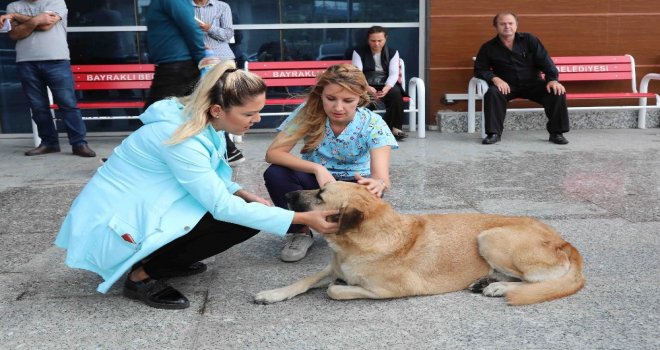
(172, 33)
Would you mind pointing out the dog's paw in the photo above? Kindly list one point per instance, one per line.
(497, 289)
(479, 285)
(270, 296)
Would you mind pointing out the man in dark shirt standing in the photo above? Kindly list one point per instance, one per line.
(511, 63)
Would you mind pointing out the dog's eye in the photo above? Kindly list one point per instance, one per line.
(318, 195)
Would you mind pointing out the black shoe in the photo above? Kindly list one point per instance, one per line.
(558, 139)
(83, 150)
(193, 269)
(235, 156)
(491, 139)
(399, 136)
(42, 150)
(155, 293)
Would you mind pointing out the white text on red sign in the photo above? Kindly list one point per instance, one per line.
(296, 73)
(119, 77)
(583, 68)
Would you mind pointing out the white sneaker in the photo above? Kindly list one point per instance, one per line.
(296, 246)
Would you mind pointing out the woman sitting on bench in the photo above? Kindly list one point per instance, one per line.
(380, 65)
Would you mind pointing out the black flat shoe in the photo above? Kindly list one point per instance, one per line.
(491, 139)
(193, 269)
(155, 293)
(558, 139)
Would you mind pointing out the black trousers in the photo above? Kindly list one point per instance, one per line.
(172, 79)
(495, 107)
(208, 238)
(393, 102)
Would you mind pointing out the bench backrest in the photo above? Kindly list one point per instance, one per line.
(293, 73)
(596, 68)
(113, 76)
(301, 73)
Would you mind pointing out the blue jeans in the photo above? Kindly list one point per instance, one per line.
(55, 74)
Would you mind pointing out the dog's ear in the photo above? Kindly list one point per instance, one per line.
(349, 218)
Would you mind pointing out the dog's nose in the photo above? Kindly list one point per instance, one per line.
(292, 197)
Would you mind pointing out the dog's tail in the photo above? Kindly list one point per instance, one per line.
(570, 283)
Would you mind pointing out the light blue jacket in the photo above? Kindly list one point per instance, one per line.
(152, 193)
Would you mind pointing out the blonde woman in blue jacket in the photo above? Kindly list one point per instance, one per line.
(164, 200)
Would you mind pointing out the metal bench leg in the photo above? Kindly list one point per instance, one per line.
(644, 87)
(35, 134)
(417, 106)
(476, 90)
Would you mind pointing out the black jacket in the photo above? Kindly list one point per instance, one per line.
(519, 66)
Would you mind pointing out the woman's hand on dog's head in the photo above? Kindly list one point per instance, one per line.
(375, 186)
(317, 220)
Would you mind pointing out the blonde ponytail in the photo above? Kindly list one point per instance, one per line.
(223, 85)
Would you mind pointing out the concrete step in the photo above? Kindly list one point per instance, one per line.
(449, 121)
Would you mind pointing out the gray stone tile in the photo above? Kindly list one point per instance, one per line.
(602, 192)
(97, 322)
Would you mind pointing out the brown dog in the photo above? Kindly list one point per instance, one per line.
(380, 253)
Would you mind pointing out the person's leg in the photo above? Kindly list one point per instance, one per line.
(172, 79)
(280, 181)
(394, 108)
(59, 79)
(34, 87)
(234, 155)
(495, 104)
(208, 238)
(555, 110)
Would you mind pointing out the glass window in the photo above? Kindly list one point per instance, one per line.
(103, 47)
(255, 11)
(101, 13)
(251, 44)
(324, 44)
(324, 11)
(14, 113)
(319, 44)
(384, 11)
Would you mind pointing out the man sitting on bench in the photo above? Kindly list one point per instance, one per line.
(511, 63)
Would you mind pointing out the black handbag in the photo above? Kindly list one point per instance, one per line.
(376, 79)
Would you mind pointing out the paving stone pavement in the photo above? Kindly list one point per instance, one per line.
(601, 191)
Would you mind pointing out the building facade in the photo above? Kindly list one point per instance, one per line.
(436, 38)
(113, 31)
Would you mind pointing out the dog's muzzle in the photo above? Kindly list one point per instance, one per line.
(295, 202)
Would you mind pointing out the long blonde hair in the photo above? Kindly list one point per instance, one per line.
(311, 117)
(225, 86)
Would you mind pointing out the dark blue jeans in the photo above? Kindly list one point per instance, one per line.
(56, 74)
(280, 180)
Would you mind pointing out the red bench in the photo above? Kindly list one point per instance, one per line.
(107, 77)
(584, 69)
(276, 74)
(302, 74)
